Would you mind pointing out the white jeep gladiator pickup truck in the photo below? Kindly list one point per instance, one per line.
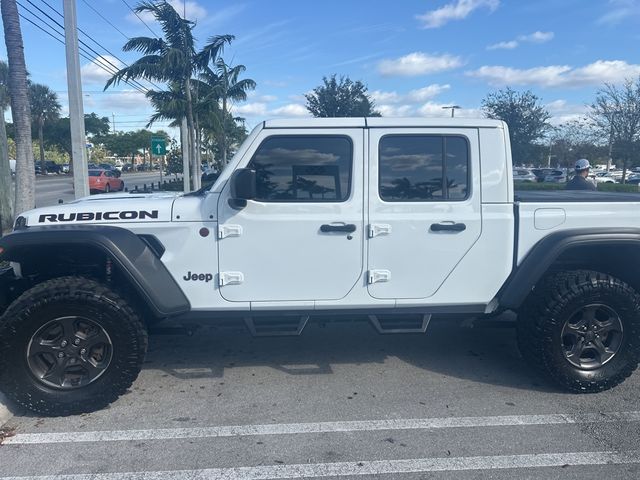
(396, 219)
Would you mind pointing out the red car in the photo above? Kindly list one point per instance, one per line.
(104, 181)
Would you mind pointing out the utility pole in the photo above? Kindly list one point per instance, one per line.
(453, 109)
(76, 111)
(184, 139)
(113, 116)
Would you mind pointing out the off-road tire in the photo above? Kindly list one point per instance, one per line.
(70, 296)
(543, 316)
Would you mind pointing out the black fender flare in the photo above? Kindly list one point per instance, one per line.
(547, 251)
(136, 259)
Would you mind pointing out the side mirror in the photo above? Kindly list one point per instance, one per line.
(243, 187)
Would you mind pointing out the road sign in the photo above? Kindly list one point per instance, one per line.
(158, 146)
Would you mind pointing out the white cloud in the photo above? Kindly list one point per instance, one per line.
(127, 100)
(262, 110)
(535, 37)
(396, 110)
(252, 109)
(388, 99)
(510, 45)
(596, 73)
(291, 110)
(192, 10)
(620, 10)
(98, 71)
(431, 109)
(562, 111)
(457, 10)
(419, 63)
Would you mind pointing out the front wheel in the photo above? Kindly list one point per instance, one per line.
(69, 345)
(107, 188)
(582, 329)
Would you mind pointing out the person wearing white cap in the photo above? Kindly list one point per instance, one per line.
(579, 181)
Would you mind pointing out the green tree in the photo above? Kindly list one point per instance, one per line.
(44, 108)
(616, 115)
(58, 132)
(225, 87)
(527, 119)
(172, 59)
(6, 185)
(341, 98)
(25, 198)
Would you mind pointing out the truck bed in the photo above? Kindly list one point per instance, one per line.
(564, 196)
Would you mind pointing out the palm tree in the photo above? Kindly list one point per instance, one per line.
(44, 107)
(20, 111)
(226, 88)
(172, 59)
(6, 185)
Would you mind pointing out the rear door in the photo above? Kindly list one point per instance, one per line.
(424, 208)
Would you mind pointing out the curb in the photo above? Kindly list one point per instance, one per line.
(5, 413)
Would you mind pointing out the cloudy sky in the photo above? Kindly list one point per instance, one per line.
(416, 56)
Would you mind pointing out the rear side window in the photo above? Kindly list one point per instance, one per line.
(423, 168)
(305, 168)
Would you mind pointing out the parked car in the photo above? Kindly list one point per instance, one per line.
(104, 181)
(12, 166)
(127, 167)
(556, 176)
(524, 175)
(283, 252)
(209, 175)
(541, 173)
(65, 168)
(604, 177)
(634, 179)
(110, 168)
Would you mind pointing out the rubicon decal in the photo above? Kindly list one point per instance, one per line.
(198, 277)
(92, 216)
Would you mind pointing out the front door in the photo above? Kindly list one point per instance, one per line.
(301, 239)
(424, 208)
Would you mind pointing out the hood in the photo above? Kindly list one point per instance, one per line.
(113, 208)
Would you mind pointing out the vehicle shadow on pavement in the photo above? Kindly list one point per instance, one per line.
(483, 353)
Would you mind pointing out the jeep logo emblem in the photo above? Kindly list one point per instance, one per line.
(198, 277)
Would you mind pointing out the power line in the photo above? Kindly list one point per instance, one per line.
(98, 44)
(140, 18)
(110, 68)
(82, 54)
(106, 20)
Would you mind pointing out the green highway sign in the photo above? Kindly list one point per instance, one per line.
(158, 146)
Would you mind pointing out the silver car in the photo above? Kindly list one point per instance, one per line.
(523, 175)
(556, 176)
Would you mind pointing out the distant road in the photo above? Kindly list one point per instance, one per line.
(51, 188)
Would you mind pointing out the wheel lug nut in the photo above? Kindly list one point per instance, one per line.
(60, 354)
(63, 343)
(83, 351)
(76, 341)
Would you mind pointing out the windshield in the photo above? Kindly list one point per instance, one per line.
(95, 173)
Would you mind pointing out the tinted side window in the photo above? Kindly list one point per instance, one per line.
(303, 168)
(418, 168)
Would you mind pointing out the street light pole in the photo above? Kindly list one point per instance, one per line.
(453, 109)
(76, 111)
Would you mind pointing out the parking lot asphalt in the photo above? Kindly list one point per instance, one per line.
(340, 401)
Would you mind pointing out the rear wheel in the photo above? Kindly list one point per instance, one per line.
(69, 345)
(107, 188)
(582, 329)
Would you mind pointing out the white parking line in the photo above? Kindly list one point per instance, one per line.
(323, 427)
(379, 467)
